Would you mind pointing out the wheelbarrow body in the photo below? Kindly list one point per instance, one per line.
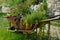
(22, 27)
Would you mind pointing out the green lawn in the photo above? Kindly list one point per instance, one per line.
(6, 35)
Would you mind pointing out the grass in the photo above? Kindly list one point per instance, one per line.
(56, 23)
(6, 35)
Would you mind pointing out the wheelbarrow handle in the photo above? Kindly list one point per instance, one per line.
(52, 19)
(52, 16)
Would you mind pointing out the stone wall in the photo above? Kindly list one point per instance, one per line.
(54, 6)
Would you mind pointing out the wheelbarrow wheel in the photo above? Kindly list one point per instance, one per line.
(12, 29)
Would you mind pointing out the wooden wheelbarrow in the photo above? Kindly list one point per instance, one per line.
(21, 28)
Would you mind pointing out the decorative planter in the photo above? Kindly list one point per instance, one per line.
(18, 24)
(22, 27)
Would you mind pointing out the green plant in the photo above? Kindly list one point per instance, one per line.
(35, 16)
(24, 7)
(13, 12)
(20, 7)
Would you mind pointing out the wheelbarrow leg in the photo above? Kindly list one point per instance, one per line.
(48, 32)
(36, 33)
(10, 24)
(28, 36)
